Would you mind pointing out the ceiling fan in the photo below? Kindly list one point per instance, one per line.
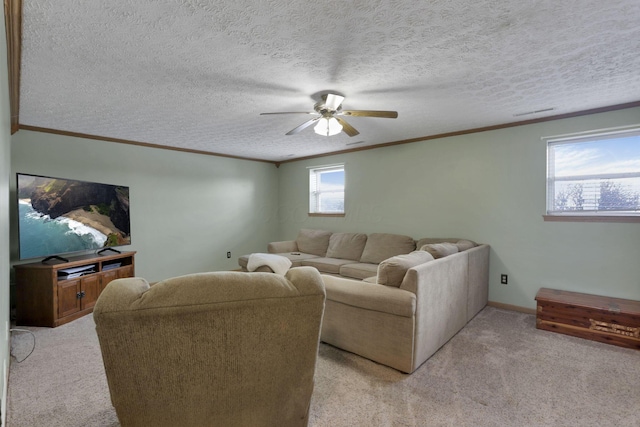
(329, 121)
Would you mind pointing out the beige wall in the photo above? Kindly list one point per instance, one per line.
(489, 187)
(5, 173)
(187, 210)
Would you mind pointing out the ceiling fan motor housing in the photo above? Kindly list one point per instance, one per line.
(322, 109)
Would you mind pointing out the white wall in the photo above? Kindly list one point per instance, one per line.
(187, 210)
(488, 187)
(5, 167)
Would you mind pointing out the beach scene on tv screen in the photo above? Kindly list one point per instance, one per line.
(58, 216)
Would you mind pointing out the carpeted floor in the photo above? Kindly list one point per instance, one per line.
(498, 371)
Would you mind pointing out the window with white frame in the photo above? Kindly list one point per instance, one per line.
(594, 174)
(326, 189)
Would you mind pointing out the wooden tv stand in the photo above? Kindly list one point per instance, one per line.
(46, 297)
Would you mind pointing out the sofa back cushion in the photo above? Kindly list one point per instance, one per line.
(391, 271)
(462, 244)
(381, 246)
(439, 250)
(313, 242)
(346, 245)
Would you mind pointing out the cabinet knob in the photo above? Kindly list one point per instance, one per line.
(80, 294)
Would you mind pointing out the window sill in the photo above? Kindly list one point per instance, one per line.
(327, 214)
(591, 218)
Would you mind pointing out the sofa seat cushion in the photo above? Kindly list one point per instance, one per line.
(313, 242)
(297, 258)
(381, 246)
(391, 271)
(359, 270)
(326, 265)
(370, 296)
(346, 245)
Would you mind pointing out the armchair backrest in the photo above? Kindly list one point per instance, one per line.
(212, 349)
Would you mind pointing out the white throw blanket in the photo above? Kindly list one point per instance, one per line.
(278, 263)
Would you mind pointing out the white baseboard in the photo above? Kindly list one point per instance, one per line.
(3, 411)
(5, 376)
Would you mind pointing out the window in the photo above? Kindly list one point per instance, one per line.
(595, 175)
(326, 190)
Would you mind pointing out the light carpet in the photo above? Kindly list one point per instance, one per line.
(498, 371)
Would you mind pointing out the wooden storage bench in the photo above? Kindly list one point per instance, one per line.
(609, 320)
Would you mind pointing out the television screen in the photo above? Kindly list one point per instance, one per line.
(58, 216)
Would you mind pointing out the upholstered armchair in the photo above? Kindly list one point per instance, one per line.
(212, 349)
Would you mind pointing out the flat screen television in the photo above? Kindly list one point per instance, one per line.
(60, 216)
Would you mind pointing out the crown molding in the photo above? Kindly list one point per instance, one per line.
(333, 153)
(137, 143)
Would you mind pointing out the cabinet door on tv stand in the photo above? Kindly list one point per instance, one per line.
(125, 272)
(106, 277)
(68, 301)
(90, 287)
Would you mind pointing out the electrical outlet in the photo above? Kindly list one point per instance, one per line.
(228, 254)
(504, 279)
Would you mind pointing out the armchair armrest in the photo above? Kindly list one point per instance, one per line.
(120, 294)
(281, 247)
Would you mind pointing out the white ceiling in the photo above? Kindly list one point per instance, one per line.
(195, 74)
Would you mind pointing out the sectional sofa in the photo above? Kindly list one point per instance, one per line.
(390, 298)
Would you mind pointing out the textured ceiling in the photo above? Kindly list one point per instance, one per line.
(195, 74)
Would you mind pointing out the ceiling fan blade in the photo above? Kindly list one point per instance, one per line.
(303, 126)
(290, 112)
(346, 127)
(333, 101)
(370, 113)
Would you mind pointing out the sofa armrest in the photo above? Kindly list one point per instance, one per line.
(281, 247)
(370, 296)
(441, 288)
(478, 279)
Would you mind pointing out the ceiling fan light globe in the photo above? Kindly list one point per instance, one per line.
(334, 127)
(327, 127)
